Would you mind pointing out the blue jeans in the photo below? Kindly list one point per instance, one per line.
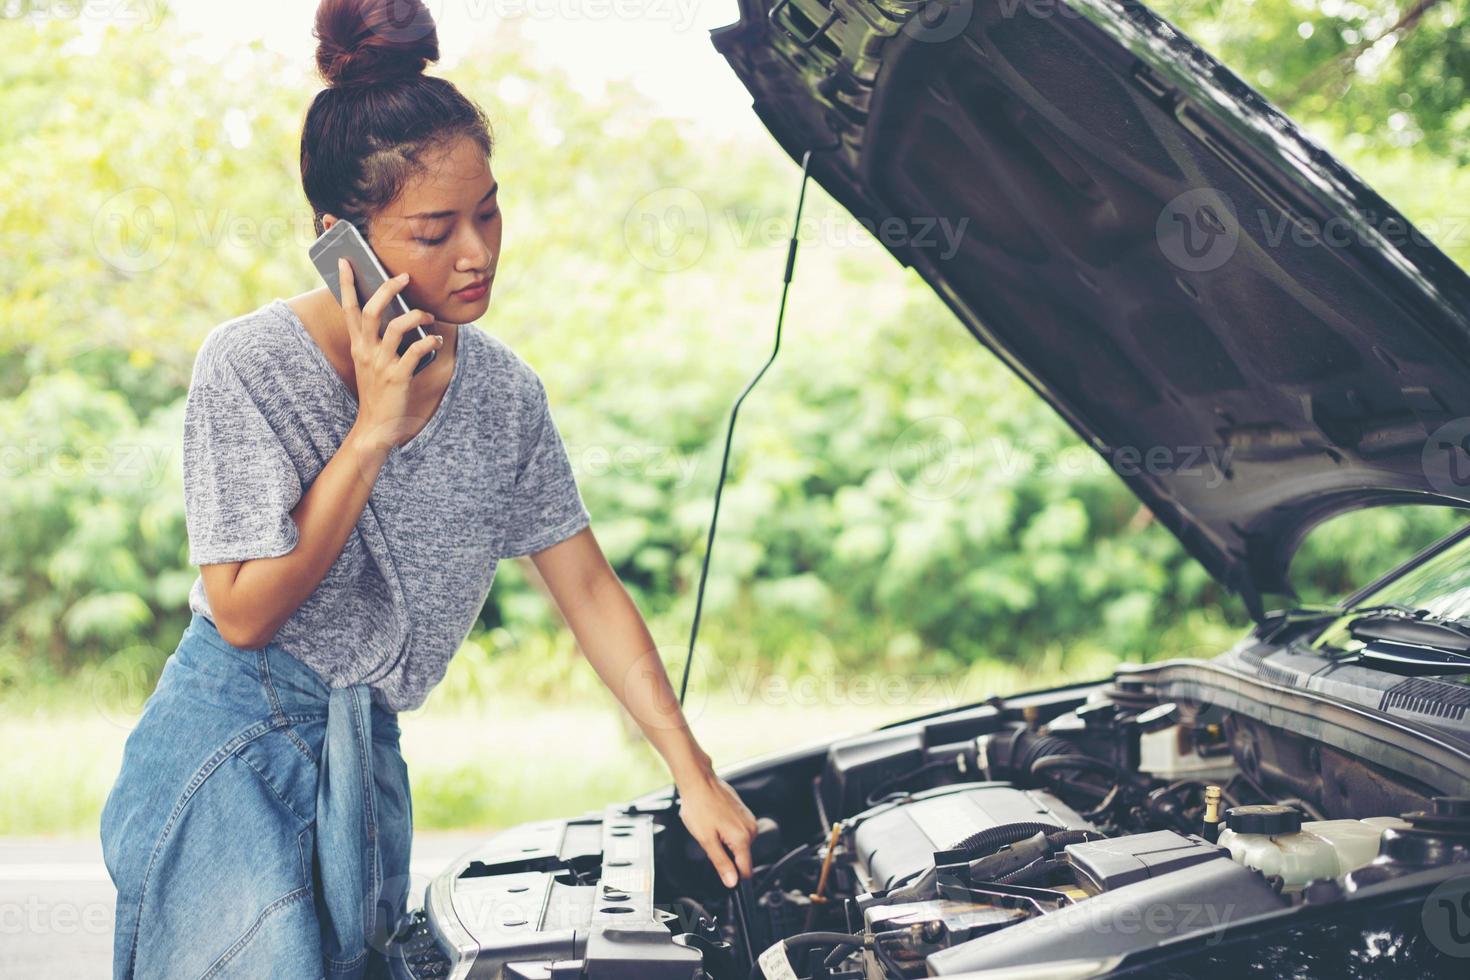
(260, 825)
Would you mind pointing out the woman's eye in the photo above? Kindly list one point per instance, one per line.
(444, 238)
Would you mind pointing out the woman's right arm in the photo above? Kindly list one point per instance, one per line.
(252, 599)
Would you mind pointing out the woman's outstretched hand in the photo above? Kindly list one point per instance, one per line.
(716, 818)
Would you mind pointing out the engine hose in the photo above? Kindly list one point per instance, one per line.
(1062, 838)
(1033, 750)
(1031, 872)
(803, 941)
(992, 839)
(977, 845)
(1073, 761)
(1001, 865)
(1011, 858)
(1012, 755)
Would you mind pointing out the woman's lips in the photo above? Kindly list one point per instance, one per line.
(474, 292)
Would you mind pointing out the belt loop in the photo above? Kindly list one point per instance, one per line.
(262, 664)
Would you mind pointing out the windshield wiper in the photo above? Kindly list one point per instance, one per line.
(1414, 646)
(1398, 639)
(1439, 634)
(1294, 621)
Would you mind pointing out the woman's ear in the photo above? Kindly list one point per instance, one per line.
(328, 220)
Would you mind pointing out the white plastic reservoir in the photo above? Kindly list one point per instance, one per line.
(1275, 841)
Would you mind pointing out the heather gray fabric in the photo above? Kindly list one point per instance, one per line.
(487, 478)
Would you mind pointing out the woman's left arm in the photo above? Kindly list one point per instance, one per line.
(615, 640)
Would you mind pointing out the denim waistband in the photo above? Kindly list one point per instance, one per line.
(346, 802)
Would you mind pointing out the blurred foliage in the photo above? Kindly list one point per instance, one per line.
(1388, 75)
(896, 498)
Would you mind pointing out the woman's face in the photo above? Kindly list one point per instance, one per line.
(443, 229)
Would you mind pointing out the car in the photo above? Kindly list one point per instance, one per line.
(1256, 342)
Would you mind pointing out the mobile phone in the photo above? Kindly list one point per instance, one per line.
(344, 240)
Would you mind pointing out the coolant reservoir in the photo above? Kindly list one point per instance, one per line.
(1271, 840)
(1356, 841)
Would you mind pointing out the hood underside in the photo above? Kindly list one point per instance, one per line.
(1251, 337)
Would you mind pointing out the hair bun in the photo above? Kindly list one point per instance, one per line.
(373, 42)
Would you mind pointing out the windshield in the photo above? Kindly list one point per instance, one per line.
(1440, 586)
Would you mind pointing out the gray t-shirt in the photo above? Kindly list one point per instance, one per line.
(486, 478)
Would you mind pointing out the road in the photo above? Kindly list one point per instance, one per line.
(57, 903)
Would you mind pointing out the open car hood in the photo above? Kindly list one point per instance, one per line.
(1251, 336)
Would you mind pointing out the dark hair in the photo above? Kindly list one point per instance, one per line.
(368, 132)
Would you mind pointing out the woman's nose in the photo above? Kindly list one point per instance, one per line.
(476, 258)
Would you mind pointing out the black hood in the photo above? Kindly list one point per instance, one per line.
(1251, 337)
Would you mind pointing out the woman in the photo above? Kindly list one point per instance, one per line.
(347, 516)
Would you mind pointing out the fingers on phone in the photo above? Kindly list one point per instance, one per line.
(380, 299)
(417, 349)
(348, 290)
(400, 325)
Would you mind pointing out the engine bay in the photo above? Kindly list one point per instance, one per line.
(1069, 828)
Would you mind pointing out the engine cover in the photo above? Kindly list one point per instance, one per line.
(899, 842)
(554, 899)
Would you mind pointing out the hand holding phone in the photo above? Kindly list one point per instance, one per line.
(344, 240)
(383, 376)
